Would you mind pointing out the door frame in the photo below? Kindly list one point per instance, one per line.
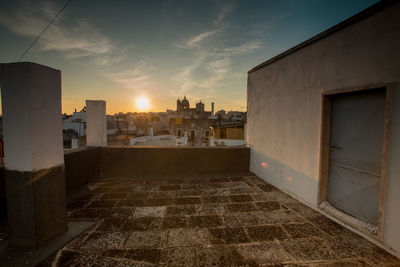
(325, 136)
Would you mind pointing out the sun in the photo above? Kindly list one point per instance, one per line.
(142, 103)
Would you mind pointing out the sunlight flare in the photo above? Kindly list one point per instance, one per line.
(142, 103)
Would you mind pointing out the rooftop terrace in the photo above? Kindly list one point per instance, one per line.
(236, 220)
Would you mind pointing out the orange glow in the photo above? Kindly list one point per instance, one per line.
(264, 164)
(290, 179)
(142, 103)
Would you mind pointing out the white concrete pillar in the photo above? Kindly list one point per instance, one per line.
(34, 155)
(96, 123)
(151, 133)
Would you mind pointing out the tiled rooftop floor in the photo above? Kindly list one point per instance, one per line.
(228, 221)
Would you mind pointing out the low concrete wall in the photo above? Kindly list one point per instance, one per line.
(81, 166)
(90, 163)
(131, 162)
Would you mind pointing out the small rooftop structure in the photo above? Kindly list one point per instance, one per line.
(323, 122)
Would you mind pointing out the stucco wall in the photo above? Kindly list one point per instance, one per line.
(235, 133)
(81, 166)
(131, 162)
(31, 99)
(92, 163)
(284, 106)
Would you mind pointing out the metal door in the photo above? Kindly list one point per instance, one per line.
(357, 128)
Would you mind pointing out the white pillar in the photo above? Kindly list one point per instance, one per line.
(33, 149)
(32, 119)
(96, 123)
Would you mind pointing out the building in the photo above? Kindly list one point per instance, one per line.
(76, 122)
(324, 122)
(193, 123)
(228, 131)
(228, 134)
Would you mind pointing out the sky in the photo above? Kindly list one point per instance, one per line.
(121, 50)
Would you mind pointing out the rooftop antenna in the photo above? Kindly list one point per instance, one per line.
(44, 30)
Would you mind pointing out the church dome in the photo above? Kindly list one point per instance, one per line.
(185, 103)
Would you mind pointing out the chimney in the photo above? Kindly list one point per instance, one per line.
(212, 108)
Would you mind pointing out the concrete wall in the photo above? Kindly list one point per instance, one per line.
(284, 106)
(91, 164)
(81, 166)
(235, 133)
(127, 162)
(230, 133)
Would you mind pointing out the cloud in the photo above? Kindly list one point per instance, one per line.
(206, 60)
(193, 42)
(200, 37)
(246, 47)
(226, 9)
(136, 78)
(217, 63)
(184, 78)
(77, 40)
(218, 69)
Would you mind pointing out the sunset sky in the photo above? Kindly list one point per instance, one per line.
(119, 51)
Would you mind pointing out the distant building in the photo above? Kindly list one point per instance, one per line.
(229, 131)
(192, 122)
(75, 122)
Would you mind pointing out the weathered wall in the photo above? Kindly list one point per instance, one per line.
(90, 163)
(81, 166)
(235, 133)
(129, 162)
(284, 106)
(230, 133)
(36, 206)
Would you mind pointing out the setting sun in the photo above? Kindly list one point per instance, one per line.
(142, 103)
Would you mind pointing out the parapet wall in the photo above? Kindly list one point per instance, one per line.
(126, 162)
(81, 166)
(90, 163)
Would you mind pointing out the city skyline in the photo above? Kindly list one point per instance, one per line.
(161, 50)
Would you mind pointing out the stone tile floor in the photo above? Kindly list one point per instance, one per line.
(220, 221)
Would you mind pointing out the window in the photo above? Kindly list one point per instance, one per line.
(223, 133)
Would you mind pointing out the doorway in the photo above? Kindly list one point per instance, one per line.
(192, 135)
(354, 145)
